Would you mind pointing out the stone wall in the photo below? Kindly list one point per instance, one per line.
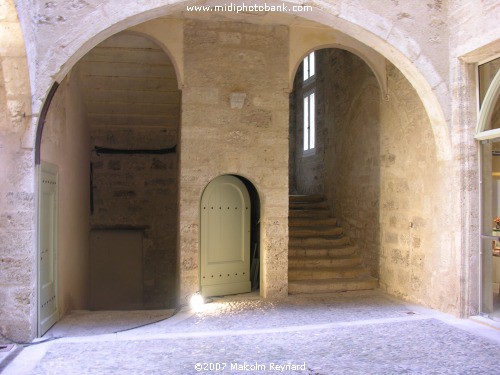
(140, 191)
(382, 179)
(133, 101)
(221, 58)
(419, 260)
(18, 309)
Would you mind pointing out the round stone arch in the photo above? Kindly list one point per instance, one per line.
(374, 63)
(376, 60)
(364, 23)
(146, 31)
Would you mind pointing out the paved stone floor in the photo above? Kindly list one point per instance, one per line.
(346, 333)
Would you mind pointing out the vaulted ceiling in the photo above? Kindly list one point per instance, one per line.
(129, 81)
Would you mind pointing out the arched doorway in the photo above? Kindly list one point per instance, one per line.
(111, 131)
(229, 237)
(487, 132)
(374, 179)
(334, 192)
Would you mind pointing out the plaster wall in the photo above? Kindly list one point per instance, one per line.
(65, 144)
(221, 58)
(17, 187)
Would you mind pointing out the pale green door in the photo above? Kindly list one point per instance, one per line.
(47, 301)
(225, 238)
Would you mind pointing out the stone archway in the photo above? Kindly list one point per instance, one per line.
(50, 62)
(118, 110)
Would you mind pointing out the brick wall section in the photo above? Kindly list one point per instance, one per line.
(221, 58)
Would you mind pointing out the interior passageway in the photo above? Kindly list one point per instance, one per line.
(112, 133)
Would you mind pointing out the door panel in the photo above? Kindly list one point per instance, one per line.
(225, 237)
(47, 300)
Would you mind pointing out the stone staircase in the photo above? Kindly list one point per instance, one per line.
(320, 257)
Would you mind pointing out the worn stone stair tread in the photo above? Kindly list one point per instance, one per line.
(318, 231)
(317, 251)
(314, 262)
(331, 285)
(309, 206)
(312, 221)
(318, 241)
(322, 273)
(306, 198)
(320, 257)
(318, 213)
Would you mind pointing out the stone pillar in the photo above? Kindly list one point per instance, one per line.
(17, 187)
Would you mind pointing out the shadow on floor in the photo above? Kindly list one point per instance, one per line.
(89, 323)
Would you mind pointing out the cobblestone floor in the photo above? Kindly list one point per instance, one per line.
(349, 333)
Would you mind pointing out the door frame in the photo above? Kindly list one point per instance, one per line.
(255, 229)
(51, 168)
(485, 135)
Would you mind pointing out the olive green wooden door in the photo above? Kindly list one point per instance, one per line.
(47, 249)
(225, 237)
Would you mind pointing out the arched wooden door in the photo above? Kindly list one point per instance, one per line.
(225, 237)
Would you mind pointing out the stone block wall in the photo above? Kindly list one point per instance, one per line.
(17, 188)
(221, 58)
(140, 191)
(418, 257)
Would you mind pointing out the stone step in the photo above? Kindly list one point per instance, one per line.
(312, 222)
(321, 242)
(306, 198)
(315, 232)
(321, 273)
(338, 251)
(324, 261)
(331, 285)
(318, 213)
(308, 205)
